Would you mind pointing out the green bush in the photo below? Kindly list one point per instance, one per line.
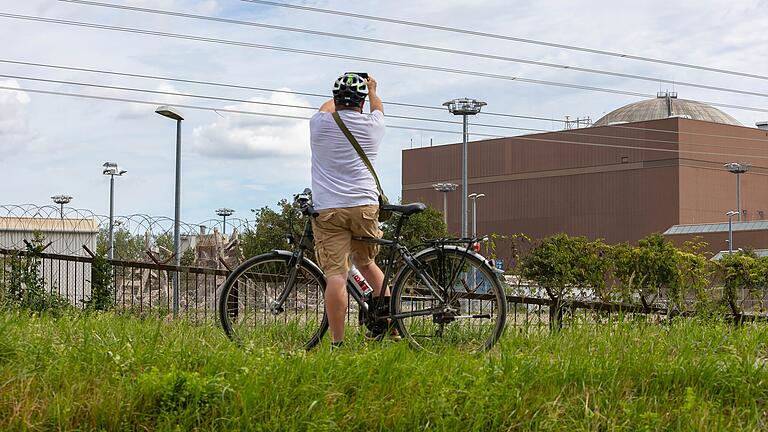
(562, 263)
(102, 289)
(743, 270)
(24, 286)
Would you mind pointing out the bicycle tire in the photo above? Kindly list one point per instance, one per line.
(474, 313)
(245, 302)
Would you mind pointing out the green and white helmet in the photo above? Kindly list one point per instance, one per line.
(350, 89)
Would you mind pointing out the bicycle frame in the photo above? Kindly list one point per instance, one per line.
(396, 251)
(306, 241)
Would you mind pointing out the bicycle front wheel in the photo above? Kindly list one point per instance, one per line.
(247, 302)
(466, 308)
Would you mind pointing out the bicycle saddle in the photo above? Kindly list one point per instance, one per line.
(406, 209)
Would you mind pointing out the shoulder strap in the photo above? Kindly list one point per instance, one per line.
(357, 147)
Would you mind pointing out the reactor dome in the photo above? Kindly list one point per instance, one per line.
(664, 106)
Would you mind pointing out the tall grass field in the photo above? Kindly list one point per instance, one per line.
(108, 372)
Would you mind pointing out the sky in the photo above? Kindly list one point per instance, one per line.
(53, 144)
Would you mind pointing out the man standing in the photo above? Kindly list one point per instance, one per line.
(344, 192)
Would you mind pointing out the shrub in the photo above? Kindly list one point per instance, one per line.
(25, 286)
(102, 289)
(743, 270)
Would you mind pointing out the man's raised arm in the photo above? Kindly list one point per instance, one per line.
(373, 96)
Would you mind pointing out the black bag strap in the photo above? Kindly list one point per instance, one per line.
(357, 147)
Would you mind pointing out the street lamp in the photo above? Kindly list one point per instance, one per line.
(61, 200)
(474, 197)
(224, 212)
(174, 114)
(464, 107)
(445, 188)
(730, 215)
(111, 170)
(738, 168)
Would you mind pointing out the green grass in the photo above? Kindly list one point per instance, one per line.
(105, 372)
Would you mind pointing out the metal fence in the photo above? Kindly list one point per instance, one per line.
(146, 289)
(69, 228)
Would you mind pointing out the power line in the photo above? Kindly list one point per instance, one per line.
(418, 46)
(282, 105)
(244, 87)
(244, 101)
(214, 109)
(321, 54)
(354, 58)
(509, 38)
(526, 138)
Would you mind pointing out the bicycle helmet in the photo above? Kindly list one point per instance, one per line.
(350, 89)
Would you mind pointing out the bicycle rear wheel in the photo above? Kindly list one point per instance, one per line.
(246, 300)
(468, 312)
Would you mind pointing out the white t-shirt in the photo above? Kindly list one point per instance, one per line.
(339, 176)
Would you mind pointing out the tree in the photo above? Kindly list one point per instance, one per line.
(128, 247)
(743, 271)
(425, 225)
(562, 263)
(647, 269)
(271, 229)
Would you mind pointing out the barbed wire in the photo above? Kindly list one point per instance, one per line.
(68, 229)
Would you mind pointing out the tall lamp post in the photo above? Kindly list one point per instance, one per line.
(111, 170)
(464, 107)
(174, 114)
(738, 168)
(445, 188)
(61, 200)
(224, 212)
(474, 197)
(730, 215)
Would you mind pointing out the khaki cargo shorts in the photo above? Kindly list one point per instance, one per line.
(334, 229)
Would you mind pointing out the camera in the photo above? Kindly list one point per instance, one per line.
(364, 75)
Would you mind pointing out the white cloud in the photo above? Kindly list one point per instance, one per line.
(241, 136)
(254, 161)
(15, 135)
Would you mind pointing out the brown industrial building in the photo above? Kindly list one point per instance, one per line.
(640, 169)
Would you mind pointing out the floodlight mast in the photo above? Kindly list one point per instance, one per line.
(61, 200)
(738, 168)
(111, 169)
(224, 212)
(445, 188)
(464, 107)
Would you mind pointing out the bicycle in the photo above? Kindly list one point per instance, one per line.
(445, 294)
